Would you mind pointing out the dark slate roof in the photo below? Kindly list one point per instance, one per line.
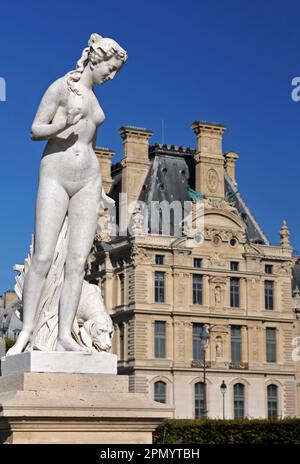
(254, 232)
(167, 180)
(172, 170)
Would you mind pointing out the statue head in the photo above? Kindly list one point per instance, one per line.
(104, 56)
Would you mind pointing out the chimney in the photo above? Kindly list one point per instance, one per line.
(135, 162)
(230, 160)
(9, 298)
(209, 159)
(105, 156)
(136, 143)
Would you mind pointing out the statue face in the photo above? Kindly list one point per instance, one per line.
(106, 70)
(101, 338)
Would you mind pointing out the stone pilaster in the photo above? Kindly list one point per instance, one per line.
(206, 290)
(244, 336)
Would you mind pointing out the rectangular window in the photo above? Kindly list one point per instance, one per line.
(236, 344)
(159, 259)
(197, 289)
(200, 412)
(197, 262)
(239, 401)
(272, 401)
(234, 292)
(160, 392)
(197, 344)
(160, 339)
(268, 269)
(234, 266)
(271, 344)
(159, 287)
(269, 294)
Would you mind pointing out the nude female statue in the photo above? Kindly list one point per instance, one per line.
(70, 183)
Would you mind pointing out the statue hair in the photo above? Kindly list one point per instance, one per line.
(99, 49)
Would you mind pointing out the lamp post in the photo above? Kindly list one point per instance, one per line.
(204, 337)
(223, 388)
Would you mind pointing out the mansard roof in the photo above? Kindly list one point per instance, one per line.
(171, 172)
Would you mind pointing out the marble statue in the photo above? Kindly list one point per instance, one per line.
(104, 227)
(92, 326)
(137, 221)
(219, 347)
(69, 198)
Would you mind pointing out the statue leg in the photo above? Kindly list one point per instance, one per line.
(51, 208)
(82, 215)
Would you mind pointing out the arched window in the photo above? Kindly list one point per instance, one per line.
(239, 401)
(160, 392)
(272, 391)
(199, 401)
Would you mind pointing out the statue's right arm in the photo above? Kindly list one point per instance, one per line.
(42, 127)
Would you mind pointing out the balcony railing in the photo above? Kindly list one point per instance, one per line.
(238, 365)
(200, 364)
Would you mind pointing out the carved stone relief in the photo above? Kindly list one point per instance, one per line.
(212, 180)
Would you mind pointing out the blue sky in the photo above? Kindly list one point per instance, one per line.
(229, 62)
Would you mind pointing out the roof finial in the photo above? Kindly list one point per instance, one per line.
(284, 234)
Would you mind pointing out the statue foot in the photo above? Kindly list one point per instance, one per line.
(20, 344)
(68, 344)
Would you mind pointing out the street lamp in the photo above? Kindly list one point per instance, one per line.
(204, 337)
(223, 388)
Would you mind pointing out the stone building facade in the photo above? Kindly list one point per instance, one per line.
(168, 286)
(165, 289)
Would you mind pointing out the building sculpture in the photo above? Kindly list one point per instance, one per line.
(160, 291)
(161, 288)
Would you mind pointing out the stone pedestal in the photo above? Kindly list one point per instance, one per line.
(57, 361)
(56, 407)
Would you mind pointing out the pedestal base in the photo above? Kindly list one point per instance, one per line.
(56, 361)
(76, 408)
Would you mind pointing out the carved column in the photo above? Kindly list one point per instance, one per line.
(227, 346)
(244, 336)
(261, 344)
(227, 293)
(277, 303)
(125, 329)
(206, 290)
(169, 340)
(243, 295)
(280, 352)
(261, 293)
(116, 340)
